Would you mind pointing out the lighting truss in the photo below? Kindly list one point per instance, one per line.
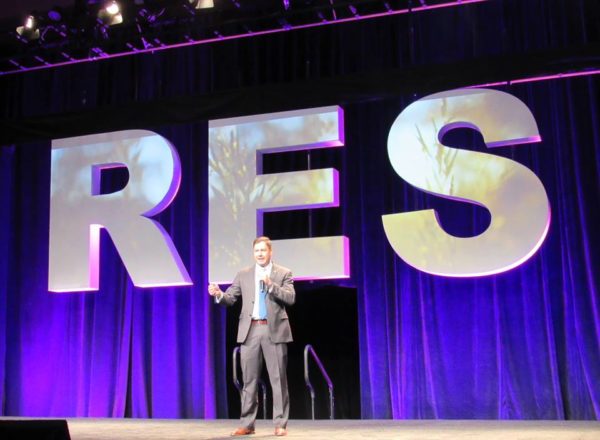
(152, 25)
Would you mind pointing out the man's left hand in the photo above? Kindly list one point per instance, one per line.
(267, 281)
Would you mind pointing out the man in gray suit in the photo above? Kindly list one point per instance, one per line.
(264, 331)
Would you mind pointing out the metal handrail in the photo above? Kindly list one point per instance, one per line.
(240, 387)
(310, 349)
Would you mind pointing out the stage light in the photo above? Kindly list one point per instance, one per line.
(110, 14)
(148, 16)
(29, 30)
(30, 22)
(202, 4)
(113, 8)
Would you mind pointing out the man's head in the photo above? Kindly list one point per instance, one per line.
(262, 250)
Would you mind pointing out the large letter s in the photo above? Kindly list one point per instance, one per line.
(515, 197)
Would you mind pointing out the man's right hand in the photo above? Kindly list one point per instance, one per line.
(214, 290)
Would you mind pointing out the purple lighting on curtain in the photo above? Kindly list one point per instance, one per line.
(524, 344)
(518, 345)
(123, 351)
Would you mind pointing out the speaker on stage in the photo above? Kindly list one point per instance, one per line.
(34, 430)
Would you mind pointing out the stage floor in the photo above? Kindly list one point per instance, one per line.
(160, 429)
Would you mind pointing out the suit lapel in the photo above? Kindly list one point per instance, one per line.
(274, 274)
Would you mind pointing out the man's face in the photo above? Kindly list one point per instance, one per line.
(262, 253)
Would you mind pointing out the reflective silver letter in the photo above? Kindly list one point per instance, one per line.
(239, 193)
(513, 194)
(78, 211)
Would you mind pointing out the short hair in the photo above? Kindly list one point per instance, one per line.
(262, 239)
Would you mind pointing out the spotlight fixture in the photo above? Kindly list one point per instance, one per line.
(113, 8)
(110, 14)
(202, 4)
(29, 31)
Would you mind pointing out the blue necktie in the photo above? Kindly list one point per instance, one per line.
(262, 301)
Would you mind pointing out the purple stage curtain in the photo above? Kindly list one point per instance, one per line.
(121, 351)
(518, 345)
(523, 344)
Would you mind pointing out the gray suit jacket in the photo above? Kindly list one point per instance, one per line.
(282, 294)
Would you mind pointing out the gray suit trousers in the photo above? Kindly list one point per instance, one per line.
(257, 346)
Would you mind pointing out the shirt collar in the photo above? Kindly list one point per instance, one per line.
(267, 269)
